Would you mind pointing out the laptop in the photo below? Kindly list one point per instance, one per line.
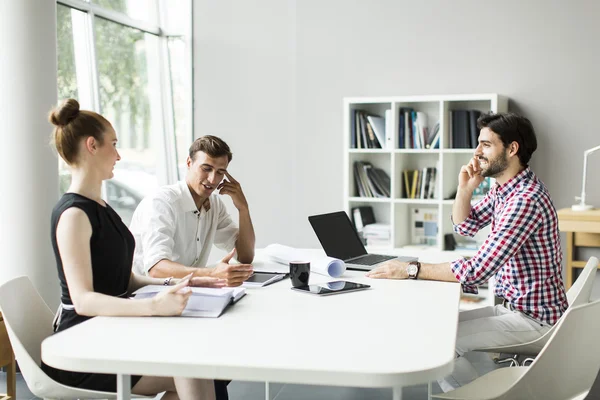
(340, 240)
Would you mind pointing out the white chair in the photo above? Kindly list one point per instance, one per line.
(565, 368)
(29, 321)
(578, 294)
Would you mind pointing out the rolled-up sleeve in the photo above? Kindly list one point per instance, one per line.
(517, 222)
(158, 233)
(227, 231)
(479, 217)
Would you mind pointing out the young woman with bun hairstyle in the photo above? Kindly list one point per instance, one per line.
(94, 253)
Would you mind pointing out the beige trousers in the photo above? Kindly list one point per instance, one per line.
(488, 327)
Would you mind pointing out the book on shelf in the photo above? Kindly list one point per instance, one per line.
(371, 181)
(473, 131)
(204, 302)
(464, 133)
(424, 226)
(420, 184)
(414, 132)
(369, 131)
(433, 139)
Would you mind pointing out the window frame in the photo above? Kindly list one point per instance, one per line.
(167, 145)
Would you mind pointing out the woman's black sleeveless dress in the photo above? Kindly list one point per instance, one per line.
(111, 246)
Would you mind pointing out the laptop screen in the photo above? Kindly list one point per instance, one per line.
(337, 235)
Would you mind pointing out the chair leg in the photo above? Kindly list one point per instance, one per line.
(529, 360)
(11, 378)
(514, 362)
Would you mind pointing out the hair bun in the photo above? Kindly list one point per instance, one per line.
(65, 113)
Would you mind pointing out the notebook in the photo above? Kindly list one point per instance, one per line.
(204, 302)
(340, 240)
(259, 279)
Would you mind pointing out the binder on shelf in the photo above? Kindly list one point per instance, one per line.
(362, 216)
(353, 143)
(473, 131)
(389, 130)
(460, 129)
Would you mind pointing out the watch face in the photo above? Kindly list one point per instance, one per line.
(412, 270)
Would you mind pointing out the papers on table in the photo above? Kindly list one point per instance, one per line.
(204, 302)
(323, 265)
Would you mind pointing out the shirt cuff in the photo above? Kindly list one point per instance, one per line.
(459, 271)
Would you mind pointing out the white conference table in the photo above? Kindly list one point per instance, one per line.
(398, 333)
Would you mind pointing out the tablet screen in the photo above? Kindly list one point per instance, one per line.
(332, 287)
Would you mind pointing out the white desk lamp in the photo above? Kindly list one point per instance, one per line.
(582, 206)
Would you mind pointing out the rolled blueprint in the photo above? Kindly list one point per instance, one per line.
(323, 265)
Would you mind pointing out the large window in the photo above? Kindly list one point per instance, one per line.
(129, 60)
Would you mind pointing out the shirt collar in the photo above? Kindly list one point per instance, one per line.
(504, 190)
(187, 201)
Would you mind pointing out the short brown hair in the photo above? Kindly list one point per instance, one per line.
(512, 127)
(212, 146)
(72, 125)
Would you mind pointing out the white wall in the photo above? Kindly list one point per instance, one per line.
(28, 165)
(270, 77)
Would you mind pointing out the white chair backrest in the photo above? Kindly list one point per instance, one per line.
(28, 321)
(581, 290)
(569, 362)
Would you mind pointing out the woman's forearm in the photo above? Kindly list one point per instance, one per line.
(93, 304)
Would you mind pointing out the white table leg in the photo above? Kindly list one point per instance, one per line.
(268, 391)
(397, 394)
(428, 390)
(123, 387)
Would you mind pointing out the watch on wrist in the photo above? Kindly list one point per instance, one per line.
(413, 269)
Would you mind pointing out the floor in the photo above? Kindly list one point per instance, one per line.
(256, 390)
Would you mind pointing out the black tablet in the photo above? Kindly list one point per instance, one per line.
(333, 287)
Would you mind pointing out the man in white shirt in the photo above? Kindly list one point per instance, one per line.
(176, 227)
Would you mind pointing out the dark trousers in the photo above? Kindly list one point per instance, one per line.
(221, 390)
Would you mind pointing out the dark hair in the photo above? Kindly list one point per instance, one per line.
(512, 128)
(72, 125)
(212, 146)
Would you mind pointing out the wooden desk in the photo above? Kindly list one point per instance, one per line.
(583, 230)
(7, 359)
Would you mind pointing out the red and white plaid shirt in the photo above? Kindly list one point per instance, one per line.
(522, 251)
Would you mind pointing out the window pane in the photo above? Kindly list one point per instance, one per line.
(67, 73)
(130, 99)
(67, 76)
(144, 10)
(181, 104)
(177, 15)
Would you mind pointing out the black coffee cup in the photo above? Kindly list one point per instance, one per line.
(299, 273)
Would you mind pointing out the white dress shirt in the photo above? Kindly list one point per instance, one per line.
(168, 226)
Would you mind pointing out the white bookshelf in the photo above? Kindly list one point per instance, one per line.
(396, 210)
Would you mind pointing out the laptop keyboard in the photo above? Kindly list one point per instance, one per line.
(371, 259)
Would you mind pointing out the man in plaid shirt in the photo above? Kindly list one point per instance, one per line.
(522, 251)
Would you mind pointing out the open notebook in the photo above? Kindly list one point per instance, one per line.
(204, 302)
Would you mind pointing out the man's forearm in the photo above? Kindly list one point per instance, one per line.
(437, 272)
(167, 268)
(462, 206)
(246, 241)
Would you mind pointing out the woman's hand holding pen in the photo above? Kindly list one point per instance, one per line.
(173, 300)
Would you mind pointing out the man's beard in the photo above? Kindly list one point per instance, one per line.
(496, 166)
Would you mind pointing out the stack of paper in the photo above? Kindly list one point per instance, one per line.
(204, 302)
